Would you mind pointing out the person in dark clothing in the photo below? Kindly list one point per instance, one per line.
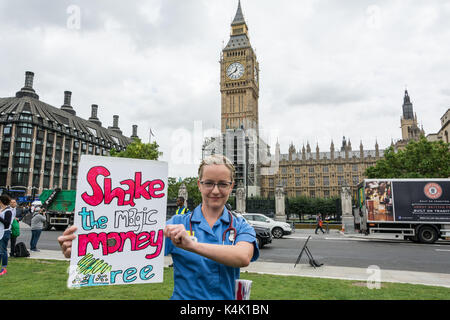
(181, 208)
(6, 216)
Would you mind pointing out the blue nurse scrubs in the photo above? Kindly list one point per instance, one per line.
(200, 278)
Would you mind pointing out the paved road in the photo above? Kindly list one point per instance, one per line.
(332, 249)
(336, 250)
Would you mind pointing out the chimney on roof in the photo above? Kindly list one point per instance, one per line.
(94, 109)
(94, 118)
(29, 77)
(134, 135)
(115, 126)
(67, 98)
(27, 90)
(67, 107)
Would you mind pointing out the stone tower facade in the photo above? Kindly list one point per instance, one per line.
(239, 79)
(408, 121)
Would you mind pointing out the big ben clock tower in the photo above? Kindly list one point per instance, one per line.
(239, 79)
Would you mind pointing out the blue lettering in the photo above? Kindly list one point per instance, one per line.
(113, 275)
(102, 222)
(144, 274)
(89, 215)
(129, 272)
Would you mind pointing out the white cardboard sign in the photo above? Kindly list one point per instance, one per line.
(120, 213)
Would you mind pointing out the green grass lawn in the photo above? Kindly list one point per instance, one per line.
(46, 279)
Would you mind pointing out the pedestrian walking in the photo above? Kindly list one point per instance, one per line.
(5, 231)
(37, 224)
(319, 222)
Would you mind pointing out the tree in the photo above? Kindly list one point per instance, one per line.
(138, 150)
(304, 205)
(191, 186)
(419, 159)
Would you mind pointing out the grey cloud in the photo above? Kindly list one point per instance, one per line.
(324, 94)
(23, 14)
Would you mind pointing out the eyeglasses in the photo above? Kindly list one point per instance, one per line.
(209, 185)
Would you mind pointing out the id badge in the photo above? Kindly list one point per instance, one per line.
(192, 236)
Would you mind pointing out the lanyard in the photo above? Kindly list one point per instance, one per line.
(231, 230)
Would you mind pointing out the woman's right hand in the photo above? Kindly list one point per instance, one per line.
(65, 241)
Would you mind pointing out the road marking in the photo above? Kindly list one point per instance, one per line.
(442, 250)
(325, 238)
(348, 239)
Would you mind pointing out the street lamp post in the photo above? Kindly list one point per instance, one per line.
(246, 172)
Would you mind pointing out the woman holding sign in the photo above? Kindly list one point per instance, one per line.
(209, 245)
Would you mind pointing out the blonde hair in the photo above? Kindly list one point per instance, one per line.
(217, 159)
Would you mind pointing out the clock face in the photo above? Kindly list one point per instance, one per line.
(235, 71)
(256, 75)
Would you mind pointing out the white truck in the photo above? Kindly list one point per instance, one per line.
(410, 209)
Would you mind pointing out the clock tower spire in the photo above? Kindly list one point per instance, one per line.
(239, 79)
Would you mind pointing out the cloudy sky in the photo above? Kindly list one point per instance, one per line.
(329, 68)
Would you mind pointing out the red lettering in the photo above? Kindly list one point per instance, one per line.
(158, 244)
(128, 235)
(153, 190)
(148, 190)
(94, 239)
(116, 193)
(141, 188)
(97, 197)
(114, 242)
(143, 243)
(129, 192)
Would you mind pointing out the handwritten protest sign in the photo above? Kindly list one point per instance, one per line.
(120, 214)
